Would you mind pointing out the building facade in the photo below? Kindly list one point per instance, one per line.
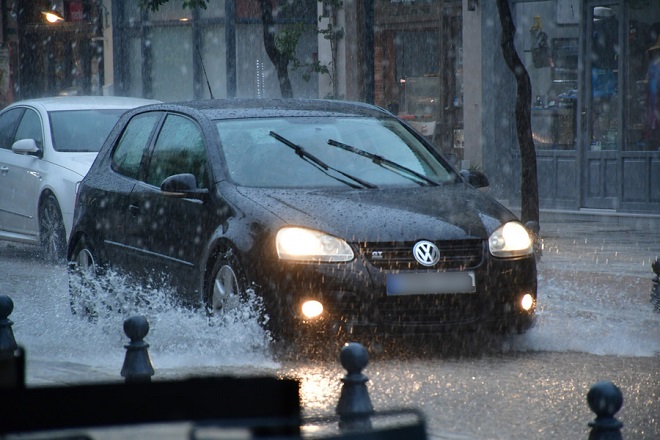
(50, 48)
(593, 65)
(176, 54)
(595, 108)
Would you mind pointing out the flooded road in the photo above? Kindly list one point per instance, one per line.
(595, 323)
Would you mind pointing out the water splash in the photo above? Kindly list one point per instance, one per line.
(179, 336)
(579, 310)
(580, 315)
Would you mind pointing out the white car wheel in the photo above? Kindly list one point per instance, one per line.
(51, 229)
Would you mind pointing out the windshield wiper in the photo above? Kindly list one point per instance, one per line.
(401, 170)
(318, 163)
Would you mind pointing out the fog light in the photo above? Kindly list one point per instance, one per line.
(312, 309)
(527, 302)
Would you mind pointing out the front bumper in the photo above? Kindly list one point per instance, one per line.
(355, 299)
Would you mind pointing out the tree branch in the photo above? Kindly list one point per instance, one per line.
(529, 180)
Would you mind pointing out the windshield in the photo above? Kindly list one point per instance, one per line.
(82, 131)
(254, 157)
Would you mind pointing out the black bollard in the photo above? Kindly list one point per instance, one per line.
(12, 357)
(137, 363)
(7, 341)
(605, 400)
(354, 407)
(655, 290)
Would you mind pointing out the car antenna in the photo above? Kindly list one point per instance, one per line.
(204, 70)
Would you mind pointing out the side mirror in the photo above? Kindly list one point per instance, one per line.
(184, 186)
(475, 178)
(26, 146)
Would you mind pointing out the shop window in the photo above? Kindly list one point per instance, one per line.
(418, 77)
(283, 11)
(172, 58)
(172, 11)
(134, 66)
(605, 76)
(548, 43)
(215, 61)
(642, 104)
(554, 112)
(216, 9)
(132, 12)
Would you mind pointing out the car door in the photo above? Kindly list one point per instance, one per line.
(8, 123)
(21, 177)
(168, 232)
(127, 159)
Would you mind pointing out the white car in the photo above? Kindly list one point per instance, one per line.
(46, 147)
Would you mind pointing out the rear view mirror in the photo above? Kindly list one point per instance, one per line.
(182, 185)
(475, 178)
(26, 146)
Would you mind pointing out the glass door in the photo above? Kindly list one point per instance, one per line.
(603, 77)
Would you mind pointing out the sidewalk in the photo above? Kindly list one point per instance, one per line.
(601, 242)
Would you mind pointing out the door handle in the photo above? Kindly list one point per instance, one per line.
(4, 170)
(134, 209)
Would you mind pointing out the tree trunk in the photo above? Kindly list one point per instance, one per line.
(280, 61)
(529, 192)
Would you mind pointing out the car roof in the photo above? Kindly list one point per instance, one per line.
(234, 108)
(56, 103)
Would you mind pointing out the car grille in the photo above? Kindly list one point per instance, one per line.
(454, 255)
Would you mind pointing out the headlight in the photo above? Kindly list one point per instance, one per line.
(302, 244)
(510, 240)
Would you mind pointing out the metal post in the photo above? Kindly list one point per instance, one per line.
(137, 363)
(7, 341)
(655, 290)
(12, 358)
(605, 400)
(354, 407)
(230, 47)
(369, 75)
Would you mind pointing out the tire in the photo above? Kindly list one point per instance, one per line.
(227, 285)
(84, 271)
(51, 230)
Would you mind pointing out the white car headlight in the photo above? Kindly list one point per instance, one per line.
(301, 244)
(510, 240)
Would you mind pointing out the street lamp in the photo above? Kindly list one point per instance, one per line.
(52, 16)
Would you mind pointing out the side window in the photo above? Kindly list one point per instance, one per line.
(30, 128)
(128, 153)
(8, 122)
(179, 149)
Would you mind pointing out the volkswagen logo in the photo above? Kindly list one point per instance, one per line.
(426, 253)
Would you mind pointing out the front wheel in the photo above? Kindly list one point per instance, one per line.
(52, 230)
(227, 286)
(231, 297)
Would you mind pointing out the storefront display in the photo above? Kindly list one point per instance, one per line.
(643, 98)
(418, 68)
(596, 107)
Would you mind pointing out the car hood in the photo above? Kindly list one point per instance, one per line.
(77, 162)
(446, 212)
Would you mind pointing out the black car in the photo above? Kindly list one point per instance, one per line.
(332, 213)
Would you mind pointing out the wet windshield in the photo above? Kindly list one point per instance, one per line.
(255, 157)
(82, 131)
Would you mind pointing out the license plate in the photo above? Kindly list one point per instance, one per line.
(424, 283)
